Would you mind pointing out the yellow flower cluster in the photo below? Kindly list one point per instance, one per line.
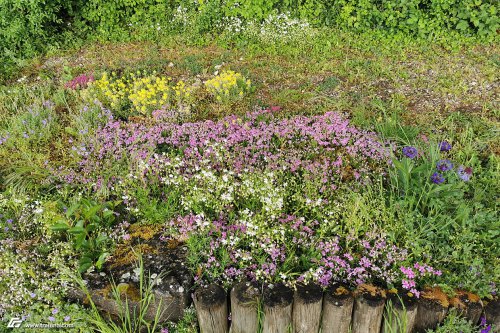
(228, 85)
(145, 93)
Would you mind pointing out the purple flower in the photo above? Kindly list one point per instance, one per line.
(444, 165)
(437, 178)
(52, 318)
(55, 311)
(164, 330)
(32, 295)
(464, 173)
(486, 329)
(410, 152)
(67, 318)
(444, 146)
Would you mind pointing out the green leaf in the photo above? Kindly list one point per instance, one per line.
(84, 264)
(76, 230)
(101, 260)
(463, 25)
(60, 226)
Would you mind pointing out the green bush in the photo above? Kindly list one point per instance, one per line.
(26, 27)
(419, 17)
(111, 20)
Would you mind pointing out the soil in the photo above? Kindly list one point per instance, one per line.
(247, 292)
(309, 293)
(374, 296)
(279, 295)
(211, 295)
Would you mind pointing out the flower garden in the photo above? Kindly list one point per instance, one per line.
(253, 178)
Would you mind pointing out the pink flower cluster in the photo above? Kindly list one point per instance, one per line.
(228, 252)
(321, 147)
(412, 274)
(79, 82)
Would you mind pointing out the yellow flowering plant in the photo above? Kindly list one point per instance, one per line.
(228, 86)
(143, 93)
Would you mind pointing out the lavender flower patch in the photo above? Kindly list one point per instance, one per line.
(326, 147)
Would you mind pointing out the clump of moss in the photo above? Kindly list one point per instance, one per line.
(127, 255)
(145, 232)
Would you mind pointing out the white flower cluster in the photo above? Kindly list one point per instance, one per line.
(276, 27)
(182, 16)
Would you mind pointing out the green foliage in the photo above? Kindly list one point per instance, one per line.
(419, 17)
(83, 223)
(28, 27)
(454, 322)
(110, 20)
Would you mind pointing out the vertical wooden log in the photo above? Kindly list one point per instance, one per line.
(468, 304)
(244, 307)
(400, 313)
(211, 309)
(368, 309)
(492, 312)
(432, 309)
(278, 303)
(337, 310)
(307, 304)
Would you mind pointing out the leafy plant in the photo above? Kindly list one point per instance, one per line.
(83, 224)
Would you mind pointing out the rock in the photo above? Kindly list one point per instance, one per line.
(170, 300)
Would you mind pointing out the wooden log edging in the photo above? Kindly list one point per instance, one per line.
(211, 309)
(432, 309)
(307, 305)
(278, 303)
(245, 298)
(468, 305)
(338, 302)
(281, 310)
(492, 312)
(400, 313)
(368, 309)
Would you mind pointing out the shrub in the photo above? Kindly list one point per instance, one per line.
(26, 27)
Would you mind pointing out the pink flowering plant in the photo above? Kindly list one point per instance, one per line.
(79, 82)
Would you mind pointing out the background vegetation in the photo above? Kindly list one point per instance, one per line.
(32, 27)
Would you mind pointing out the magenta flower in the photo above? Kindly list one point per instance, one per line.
(464, 173)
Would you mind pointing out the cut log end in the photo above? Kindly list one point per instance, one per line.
(211, 309)
(337, 310)
(307, 306)
(244, 308)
